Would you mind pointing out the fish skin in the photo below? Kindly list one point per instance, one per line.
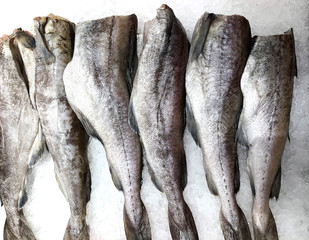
(65, 136)
(157, 114)
(218, 54)
(98, 84)
(267, 86)
(19, 130)
(26, 47)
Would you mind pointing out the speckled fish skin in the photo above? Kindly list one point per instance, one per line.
(65, 136)
(218, 54)
(157, 114)
(98, 84)
(27, 55)
(19, 127)
(267, 86)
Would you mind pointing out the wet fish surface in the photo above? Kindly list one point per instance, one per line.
(98, 83)
(65, 136)
(157, 114)
(20, 135)
(219, 50)
(267, 86)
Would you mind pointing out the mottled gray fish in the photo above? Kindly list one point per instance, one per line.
(65, 136)
(218, 54)
(157, 114)
(98, 84)
(267, 87)
(20, 135)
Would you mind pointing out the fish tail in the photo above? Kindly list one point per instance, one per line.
(182, 227)
(236, 231)
(76, 230)
(264, 225)
(139, 230)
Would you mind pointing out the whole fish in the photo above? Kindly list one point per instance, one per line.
(20, 135)
(65, 136)
(267, 86)
(98, 83)
(218, 54)
(157, 114)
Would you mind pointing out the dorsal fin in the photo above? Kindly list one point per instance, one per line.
(200, 34)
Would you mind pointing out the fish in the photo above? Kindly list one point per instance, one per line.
(219, 50)
(267, 87)
(156, 113)
(98, 83)
(21, 140)
(66, 138)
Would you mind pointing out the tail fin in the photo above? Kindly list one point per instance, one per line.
(237, 232)
(142, 232)
(186, 231)
(270, 231)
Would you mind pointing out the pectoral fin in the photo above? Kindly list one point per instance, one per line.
(275, 190)
(22, 199)
(290, 32)
(131, 116)
(23, 195)
(211, 185)
(241, 136)
(86, 123)
(237, 177)
(115, 179)
(184, 171)
(191, 125)
(37, 148)
(88, 185)
(200, 34)
(132, 60)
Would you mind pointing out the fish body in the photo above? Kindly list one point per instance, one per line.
(98, 84)
(157, 114)
(267, 86)
(219, 51)
(19, 137)
(65, 136)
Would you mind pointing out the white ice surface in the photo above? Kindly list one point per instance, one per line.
(47, 210)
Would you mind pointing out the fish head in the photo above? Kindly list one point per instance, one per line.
(57, 24)
(55, 36)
